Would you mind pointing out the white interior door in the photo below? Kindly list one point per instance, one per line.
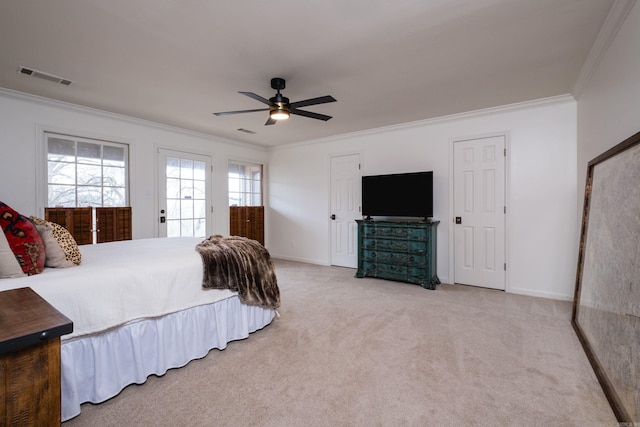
(345, 209)
(479, 212)
(184, 194)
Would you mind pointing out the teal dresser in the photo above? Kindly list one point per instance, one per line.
(402, 251)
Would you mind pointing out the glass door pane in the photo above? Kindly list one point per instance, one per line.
(184, 194)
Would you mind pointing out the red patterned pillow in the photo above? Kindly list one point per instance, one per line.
(24, 240)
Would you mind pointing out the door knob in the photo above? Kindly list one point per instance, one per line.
(333, 217)
(458, 220)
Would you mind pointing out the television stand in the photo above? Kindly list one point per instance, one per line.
(402, 251)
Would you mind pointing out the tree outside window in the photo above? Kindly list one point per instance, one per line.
(85, 172)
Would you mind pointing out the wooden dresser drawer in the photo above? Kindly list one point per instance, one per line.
(398, 232)
(395, 245)
(401, 273)
(401, 258)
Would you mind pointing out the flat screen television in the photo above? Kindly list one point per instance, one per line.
(398, 195)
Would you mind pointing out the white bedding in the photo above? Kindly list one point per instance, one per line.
(122, 281)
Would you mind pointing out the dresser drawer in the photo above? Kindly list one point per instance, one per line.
(396, 232)
(399, 272)
(393, 245)
(402, 272)
(382, 270)
(386, 231)
(403, 258)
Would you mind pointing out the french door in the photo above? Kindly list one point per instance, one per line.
(184, 194)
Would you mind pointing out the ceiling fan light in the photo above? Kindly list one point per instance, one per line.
(279, 114)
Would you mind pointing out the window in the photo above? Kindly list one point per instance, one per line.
(84, 172)
(186, 182)
(245, 184)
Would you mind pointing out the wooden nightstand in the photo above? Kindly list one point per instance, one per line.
(30, 331)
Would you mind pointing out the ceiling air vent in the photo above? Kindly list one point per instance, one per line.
(42, 75)
(247, 131)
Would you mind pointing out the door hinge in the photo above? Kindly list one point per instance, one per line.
(359, 166)
(505, 266)
(505, 152)
(505, 209)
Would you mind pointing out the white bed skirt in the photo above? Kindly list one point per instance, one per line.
(97, 367)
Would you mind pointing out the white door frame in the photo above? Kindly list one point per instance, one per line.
(451, 219)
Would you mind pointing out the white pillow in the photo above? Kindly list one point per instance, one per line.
(9, 265)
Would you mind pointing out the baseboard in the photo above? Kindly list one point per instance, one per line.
(297, 259)
(548, 295)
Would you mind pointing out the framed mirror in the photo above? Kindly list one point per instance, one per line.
(606, 307)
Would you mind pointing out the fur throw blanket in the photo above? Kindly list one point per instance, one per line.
(242, 265)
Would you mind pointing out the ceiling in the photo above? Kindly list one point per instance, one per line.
(386, 62)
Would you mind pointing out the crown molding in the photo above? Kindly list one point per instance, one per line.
(607, 34)
(36, 99)
(525, 105)
(22, 96)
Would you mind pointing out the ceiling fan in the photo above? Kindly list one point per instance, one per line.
(279, 106)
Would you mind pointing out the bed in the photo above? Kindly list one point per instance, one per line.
(139, 308)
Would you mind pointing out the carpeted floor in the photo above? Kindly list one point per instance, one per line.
(362, 352)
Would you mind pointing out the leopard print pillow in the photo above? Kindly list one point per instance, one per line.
(64, 238)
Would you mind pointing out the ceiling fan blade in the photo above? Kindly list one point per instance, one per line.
(226, 113)
(313, 101)
(256, 97)
(309, 114)
(270, 121)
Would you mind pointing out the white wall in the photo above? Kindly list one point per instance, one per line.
(609, 104)
(23, 118)
(541, 194)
